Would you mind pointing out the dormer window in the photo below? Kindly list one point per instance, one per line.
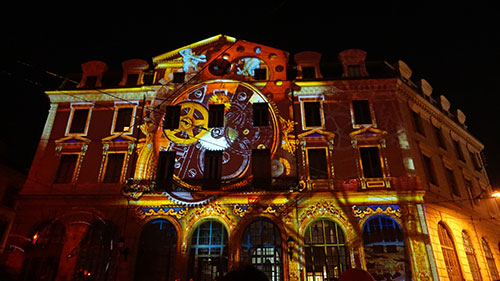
(308, 72)
(354, 70)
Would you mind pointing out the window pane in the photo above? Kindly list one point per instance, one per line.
(312, 113)
(123, 119)
(66, 170)
(471, 257)
(172, 117)
(261, 246)
(429, 169)
(79, 121)
(361, 110)
(260, 114)
(114, 167)
(371, 162)
(208, 252)
(318, 166)
(449, 254)
(490, 260)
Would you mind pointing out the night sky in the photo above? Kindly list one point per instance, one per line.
(454, 46)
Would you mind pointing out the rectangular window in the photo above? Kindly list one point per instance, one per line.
(165, 170)
(476, 160)
(318, 165)
(470, 189)
(67, 167)
(261, 166)
(123, 121)
(172, 117)
(452, 182)
(260, 114)
(354, 70)
(215, 115)
(439, 137)
(213, 169)
(79, 121)
(458, 150)
(370, 162)
(429, 169)
(361, 112)
(312, 114)
(308, 72)
(418, 123)
(114, 167)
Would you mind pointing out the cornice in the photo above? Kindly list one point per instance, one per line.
(61, 96)
(421, 102)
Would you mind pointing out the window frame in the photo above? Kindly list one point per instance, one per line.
(381, 161)
(105, 167)
(75, 169)
(471, 257)
(452, 181)
(316, 98)
(490, 259)
(124, 105)
(429, 169)
(327, 161)
(449, 251)
(74, 107)
(258, 107)
(370, 112)
(216, 115)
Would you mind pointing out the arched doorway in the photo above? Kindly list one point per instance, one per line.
(384, 248)
(156, 251)
(208, 252)
(43, 253)
(97, 253)
(261, 247)
(325, 251)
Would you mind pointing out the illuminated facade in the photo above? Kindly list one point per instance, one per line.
(223, 152)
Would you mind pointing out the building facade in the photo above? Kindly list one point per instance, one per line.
(228, 152)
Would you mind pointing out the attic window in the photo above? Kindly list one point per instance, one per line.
(308, 72)
(354, 70)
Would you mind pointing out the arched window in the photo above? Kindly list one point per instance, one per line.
(325, 251)
(490, 260)
(43, 254)
(208, 252)
(449, 254)
(471, 257)
(385, 250)
(261, 247)
(156, 251)
(97, 253)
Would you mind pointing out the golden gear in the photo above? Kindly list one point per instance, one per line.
(191, 127)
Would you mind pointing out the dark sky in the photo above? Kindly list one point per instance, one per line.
(455, 47)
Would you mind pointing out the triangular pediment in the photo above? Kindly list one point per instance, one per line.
(120, 138)
(368, 132)
(317, 133)
(197, 48)
(72, 140)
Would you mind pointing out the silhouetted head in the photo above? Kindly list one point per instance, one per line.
(245, 273)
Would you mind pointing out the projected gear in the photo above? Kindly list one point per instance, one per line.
(193, 124)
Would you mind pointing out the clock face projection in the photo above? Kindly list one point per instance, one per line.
(235, 139)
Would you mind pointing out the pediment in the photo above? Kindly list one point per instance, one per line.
(119, 138)
(317, 134)
(368, 132)
(72, 140)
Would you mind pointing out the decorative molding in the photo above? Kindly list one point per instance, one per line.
(361, 213)
(176, 212)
